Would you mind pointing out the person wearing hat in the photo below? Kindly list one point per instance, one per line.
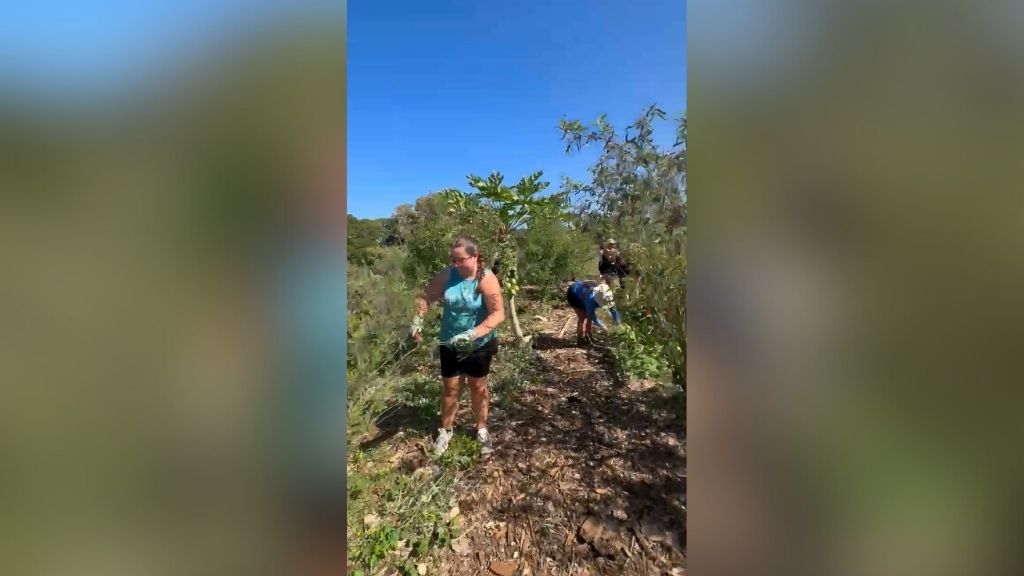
(586, 298)
(612, 267)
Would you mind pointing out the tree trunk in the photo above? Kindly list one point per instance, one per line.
(517, 331)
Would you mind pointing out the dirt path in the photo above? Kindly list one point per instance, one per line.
(588, 476)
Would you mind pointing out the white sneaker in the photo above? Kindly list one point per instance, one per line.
(485, 441)
(441, 444)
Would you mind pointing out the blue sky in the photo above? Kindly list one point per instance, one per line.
(441, 89)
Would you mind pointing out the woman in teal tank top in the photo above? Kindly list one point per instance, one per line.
(464, 310)
(473, 309)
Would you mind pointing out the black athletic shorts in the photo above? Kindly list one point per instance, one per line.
(476, 364)
(573, 300)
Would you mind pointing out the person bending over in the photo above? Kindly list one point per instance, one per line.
(586, 298)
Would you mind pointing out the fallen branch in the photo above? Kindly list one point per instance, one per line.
(565, 326)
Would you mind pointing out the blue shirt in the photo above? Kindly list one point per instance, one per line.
(585, 294)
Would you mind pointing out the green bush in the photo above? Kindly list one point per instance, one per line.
(552, 253)
(429, 230)
(636, 354)
(380, 308)
(364, 237)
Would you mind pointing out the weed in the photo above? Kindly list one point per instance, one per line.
(512, 371)
(376, 545)
(422, 393)
(462, 454)
(636, 356)
(411, 513)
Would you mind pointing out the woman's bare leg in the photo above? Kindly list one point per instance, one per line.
(581, 322)
(449, 401)
(480, 398)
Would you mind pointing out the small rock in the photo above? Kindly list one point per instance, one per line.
(506, 568)
(422, 569)
(602, 535)
(461, 546)
(620, 514)
(453, 513)
(591, 528)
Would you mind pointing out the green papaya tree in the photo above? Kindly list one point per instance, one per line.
(512, 209)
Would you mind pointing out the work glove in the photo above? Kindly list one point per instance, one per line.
(463, 341)
(416, 330)
(604, 297)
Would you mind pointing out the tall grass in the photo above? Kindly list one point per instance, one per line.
(381, 306)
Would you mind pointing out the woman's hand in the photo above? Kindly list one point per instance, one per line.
(464, 340)
(433, 293)
(416, 329)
